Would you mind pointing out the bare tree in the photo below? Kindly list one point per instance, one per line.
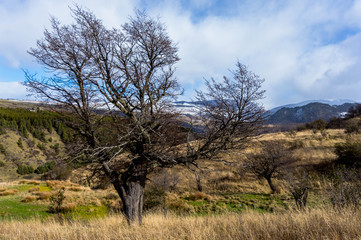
(131, 70)
(299, 185)
(269, 161)
(344, 188)
(198, 172)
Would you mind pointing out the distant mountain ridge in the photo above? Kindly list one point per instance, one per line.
(303, 112)
(331, 102)
(308, 113)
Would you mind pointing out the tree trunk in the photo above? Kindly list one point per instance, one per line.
(131, 194)
(130, 188)
(198, 181)
(133, 202)
(272, 186)
(300, 196)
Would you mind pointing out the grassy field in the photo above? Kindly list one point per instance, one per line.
(234, 204)
(313, 224)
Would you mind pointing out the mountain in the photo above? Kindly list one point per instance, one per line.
(303, 112)
(307, 113)
(331, 102)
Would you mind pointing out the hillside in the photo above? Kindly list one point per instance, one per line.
(29, 139)
(308, 113)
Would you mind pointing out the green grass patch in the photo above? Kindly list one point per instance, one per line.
(88, 212)
(12, 209)
(238, 202)
(26, 187)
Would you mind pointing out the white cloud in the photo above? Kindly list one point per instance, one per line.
(12, 90)
(304, 49)
(22, 22)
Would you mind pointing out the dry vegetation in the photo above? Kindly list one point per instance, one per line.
(233, 205)
(313, 224)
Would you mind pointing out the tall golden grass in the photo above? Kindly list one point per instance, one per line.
(312, 224)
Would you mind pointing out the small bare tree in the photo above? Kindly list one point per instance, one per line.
(299, 185)
(345, 188)
(269, 161)
(131, 70)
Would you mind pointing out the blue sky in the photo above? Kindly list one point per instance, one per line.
(304, 49)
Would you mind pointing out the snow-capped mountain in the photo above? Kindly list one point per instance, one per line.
(331, 102)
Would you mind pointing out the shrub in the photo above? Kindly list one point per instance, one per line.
(9, 192)
(345, 188)
(2, 149)
(198, 196)
(297, 144)
(335, 123)
(28, 199)
(34, 189)
(299, 185)
(75, 189)
(23, 169)
(2, 164)
(317, 125)
(56, 201)
(20, 143)
(68, 207)
(352, 127)
(41, 146)
(61, 171)
(154, 197)
(112, 196)
(349, 154)
(46, 167)
(34, 182)
(44, 195)
(55, 147)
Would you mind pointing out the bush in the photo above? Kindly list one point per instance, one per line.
(28, 199)
(46, 167)
(44, 195)
(345, 188)
(349, 154)
(317, 125)
(154, 197)
(23, 169)
(9, 192)
(34, 189)
(352, 127)
(55, 147)
(335, 123)
(2, 164)
(61, 171)
(198, 196)
(2, 149)
(56, 201)
(41, 146)
(20, 143)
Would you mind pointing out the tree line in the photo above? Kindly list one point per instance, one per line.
(35, 123)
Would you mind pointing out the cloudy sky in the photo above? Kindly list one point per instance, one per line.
(305, 49)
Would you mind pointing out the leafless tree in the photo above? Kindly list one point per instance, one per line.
(298, 183)
(344, 188)
(269, 161)
(197, 172)
(131, 70)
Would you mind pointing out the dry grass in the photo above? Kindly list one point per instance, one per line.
(28, 199)
(34, 189)
(43, 195)
(314, 224)
(9, 192)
